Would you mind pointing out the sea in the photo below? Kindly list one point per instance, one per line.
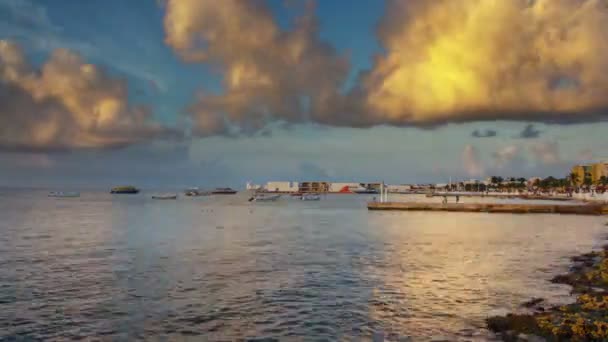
(105, 267)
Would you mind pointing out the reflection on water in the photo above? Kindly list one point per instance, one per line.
(128, 267)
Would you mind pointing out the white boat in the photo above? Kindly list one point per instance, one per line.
(310, 197)
(63, 194)
(165, 197)
(264, 198)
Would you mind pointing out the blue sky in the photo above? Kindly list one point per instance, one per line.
(128, 40)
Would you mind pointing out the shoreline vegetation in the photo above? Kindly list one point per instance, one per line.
(584, 320)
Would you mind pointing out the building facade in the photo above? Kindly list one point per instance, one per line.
(591, 173)
(282, 187)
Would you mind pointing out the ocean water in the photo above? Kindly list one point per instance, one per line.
(218, 268)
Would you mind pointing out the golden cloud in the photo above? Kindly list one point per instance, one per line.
(66, 103)
(444, 61)
(460, 60)
(268, 73)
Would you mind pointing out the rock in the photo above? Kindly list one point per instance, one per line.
(530, 338)
(532, 302)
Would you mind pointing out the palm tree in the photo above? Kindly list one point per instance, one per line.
(573, 178)
(603, 181)
(587, 181)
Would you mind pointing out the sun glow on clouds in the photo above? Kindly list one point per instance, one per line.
(484, 59)
(66, 104)
(457, 60)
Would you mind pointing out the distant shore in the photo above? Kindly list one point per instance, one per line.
(584, 320)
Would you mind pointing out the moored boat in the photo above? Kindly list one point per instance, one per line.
(165, 197)
(223, 191)
(366, 191)
(264, 198)
(195, 192)
(310, 197)
(124, 190)
(63, 194)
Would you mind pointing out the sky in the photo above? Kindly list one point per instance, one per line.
(218, 93)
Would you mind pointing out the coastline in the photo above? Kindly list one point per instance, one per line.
(584, 320)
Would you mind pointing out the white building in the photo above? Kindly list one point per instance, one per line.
(251, 186)
(282, 187)
(399, 188)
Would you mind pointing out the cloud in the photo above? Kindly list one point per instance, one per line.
(465, 60)
(529, 132)
(28, 23)
(66, 104)
(546, 152)
(471, 161)
(312, 171)
(488, 133)
(269, 74)
(443, 61)
(506, 155)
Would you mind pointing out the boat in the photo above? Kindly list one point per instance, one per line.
(310, 197)
(127, 189)
(223, 191)
(366, 191)
(195, 192)
(165, 197)
(63, 194)
(264, 198)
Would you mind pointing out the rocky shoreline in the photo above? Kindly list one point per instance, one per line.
(584, 320)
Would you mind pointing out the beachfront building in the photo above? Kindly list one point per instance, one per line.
(399, 188)
(591, 173)
(251, 186)
(282, 187)
(339, 187)
(314, 186)
(599, 170)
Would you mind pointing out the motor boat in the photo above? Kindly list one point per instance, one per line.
(195, 192)
(264, 198)
(165, 197)
(223, 191)
(310, 197)
(366, 191)
(124, 190)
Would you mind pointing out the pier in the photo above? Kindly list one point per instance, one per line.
(500, 195)
(583, 209)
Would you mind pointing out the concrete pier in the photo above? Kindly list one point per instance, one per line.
(583, 209)
(500, 195)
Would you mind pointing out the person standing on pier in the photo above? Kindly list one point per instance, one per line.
(457, 198)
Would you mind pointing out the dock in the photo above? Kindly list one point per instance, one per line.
(500, 195)
(582, 209)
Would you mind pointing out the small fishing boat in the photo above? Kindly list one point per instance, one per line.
(165, 197)
(124, 190)
(264, 198)
(223, 191)
(310, 197)
(195, 192)
(63, 194)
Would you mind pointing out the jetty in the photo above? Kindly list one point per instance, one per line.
(509, 208)
(500, 195)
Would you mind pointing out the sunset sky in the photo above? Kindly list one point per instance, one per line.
(206, 92)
